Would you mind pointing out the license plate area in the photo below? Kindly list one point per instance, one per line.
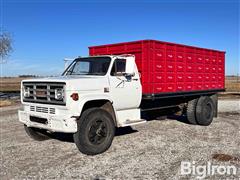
(38, 120)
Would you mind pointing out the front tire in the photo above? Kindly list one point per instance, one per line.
(95, 131)
(204, 111)
(36, 134)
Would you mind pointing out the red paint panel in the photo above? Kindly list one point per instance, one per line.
(208, 69)
(199, 58)
(190, 67)
(207, 77)
(146, 88)
(158, 77)
(180, 67)
(169, 67)
(159, 66)
(170, 55)
(207, 59)
(207, 85)
(198, 86)
(213, 59)
(145, 78)
(180, 48)
(199, 68)
(199, 77)
(180, 57)
(180, 87)
(180, 77)
(213, 86)
(170, 77)
(189, 87)
(159, 87)
(214, 78)
(189, 77)
(170, 87)
(190, 58)
(160, 55)
(214, 69)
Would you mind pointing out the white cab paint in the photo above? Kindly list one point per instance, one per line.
(129, 117)
(125, 94)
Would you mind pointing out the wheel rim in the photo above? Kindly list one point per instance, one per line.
(97, 132)
(208, 111)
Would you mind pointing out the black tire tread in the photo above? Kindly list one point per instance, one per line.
(191, 111)
(82, 123)
(203, 100)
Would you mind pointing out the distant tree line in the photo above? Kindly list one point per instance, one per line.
(27, 75)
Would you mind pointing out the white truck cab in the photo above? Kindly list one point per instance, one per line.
(93, 96)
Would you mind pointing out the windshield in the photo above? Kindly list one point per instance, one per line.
(89, 66)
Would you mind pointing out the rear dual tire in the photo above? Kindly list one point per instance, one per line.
(200, 111)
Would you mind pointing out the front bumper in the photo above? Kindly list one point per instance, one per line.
(55, 123)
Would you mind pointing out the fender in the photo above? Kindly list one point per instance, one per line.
(94, 97)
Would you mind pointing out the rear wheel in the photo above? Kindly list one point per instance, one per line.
(191, 111)
(204, 111)
(36, 134)
(95, 131)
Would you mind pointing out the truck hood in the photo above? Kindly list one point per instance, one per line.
(77, 83)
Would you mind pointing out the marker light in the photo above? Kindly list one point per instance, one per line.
(74, 96)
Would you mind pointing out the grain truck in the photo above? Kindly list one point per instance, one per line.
(115, 84)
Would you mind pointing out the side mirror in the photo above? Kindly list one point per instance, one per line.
(130, 65)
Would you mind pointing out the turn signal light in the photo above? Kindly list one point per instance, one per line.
(74, 96)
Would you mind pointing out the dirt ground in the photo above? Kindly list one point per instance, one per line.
(153, 150)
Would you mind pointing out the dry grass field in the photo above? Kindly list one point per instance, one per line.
(232, 84)
(4, 103)
(10, 84)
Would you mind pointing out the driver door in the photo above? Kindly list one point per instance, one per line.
(125, 91)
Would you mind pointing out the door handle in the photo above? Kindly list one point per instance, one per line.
(135, 79)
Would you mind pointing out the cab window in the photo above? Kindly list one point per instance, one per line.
(119, 67)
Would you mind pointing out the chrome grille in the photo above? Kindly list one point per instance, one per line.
(52, 110)
(32, 108)
(42, 109)
(43, 92)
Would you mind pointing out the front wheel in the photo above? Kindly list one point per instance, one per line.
(95, 131)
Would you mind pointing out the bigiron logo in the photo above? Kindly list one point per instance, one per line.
(209, 169)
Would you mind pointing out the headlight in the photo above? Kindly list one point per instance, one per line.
(59, 94)
(26, 91)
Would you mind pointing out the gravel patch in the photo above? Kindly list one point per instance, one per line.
(229, 105)
(153, 150)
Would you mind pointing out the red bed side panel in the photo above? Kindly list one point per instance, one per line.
(169, 67)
